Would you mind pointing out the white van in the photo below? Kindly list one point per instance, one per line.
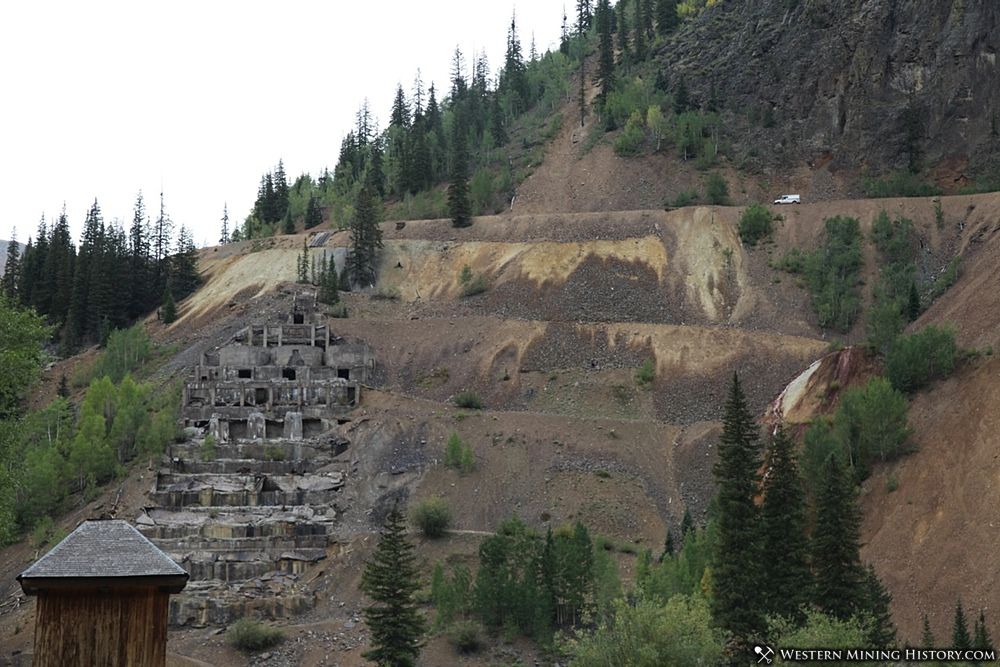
(788, 199)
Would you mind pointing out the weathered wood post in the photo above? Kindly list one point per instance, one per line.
(103, 596)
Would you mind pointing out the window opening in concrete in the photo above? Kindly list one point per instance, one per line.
(351, 395)
(298, 318)
(344, 373)
(288, 373)
(260, 396)
(244, 373)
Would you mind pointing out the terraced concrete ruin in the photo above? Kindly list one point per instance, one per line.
(249, 501)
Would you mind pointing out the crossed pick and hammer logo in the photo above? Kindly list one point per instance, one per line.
(766, 654)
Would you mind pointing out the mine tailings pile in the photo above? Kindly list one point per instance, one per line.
(249, 500)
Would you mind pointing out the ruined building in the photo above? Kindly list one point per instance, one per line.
(288, 380)
(247, 514)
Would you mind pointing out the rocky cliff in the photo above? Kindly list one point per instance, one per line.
(863, 84)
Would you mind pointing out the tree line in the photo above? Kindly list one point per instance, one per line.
(111, 278)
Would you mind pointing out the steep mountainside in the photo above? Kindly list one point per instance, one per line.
(861, 82)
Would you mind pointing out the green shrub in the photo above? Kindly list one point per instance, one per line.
(475, 286)
(208, 451)
(274, 453)
(833, 272)
(339, 311)
(685, 198)
(891, 484)
(125, 351)
(387, 293)
(755, 224)
(947, 278)
(46, 533)
(631, 139)
(459, 455)
(793, 261)
(916, 359)
(646, 373)
(899, 184)
(432, 517)
(648, 632)
(716, 190)
(248, 635)
(468, 399)
(465, 636)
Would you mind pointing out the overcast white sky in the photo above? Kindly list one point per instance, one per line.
(102, 99)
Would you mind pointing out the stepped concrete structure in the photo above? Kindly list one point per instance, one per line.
(249, 501)
(290, 380)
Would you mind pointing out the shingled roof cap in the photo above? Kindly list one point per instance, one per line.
(105, 553)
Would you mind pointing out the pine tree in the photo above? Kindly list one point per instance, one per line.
(668, 546)
(960, 638)
(302, 268)
(666, 16)
(786, 579)
(681, 101)
(584, 12)
(877, 604)
(647, 19)
(606, 55)
(913, 303)
(687, 524)
(329, 289)
(139, 269)
(400, 114)
(459, 207)
(281, 193)
(12, 270)
(366, 238)
(564, 34)
(981, 639)
(391, 580)
(836, 541)
(168, 313)
(184, 277)
(314, 216)
(623, 31)
(160, 237)
(639, 31)
(926, 636)
(224, 236)
(735, 567)
(287, 224)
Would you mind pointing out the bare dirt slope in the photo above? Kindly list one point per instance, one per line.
(937, 537)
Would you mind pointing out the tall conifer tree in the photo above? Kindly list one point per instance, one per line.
(836, 543)
(606, 55)
(735, 568)
(391, 580)
(12, 269)
(459, 207)
(786, 579)
(960, 638)
(366, 238)
(877, 603)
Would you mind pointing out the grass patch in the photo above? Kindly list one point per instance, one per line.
(386, 293)
(472, 284)
(469, 400)
(646, 373)
(248, 635)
